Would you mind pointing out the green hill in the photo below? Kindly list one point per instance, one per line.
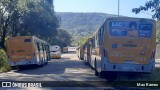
(81, 24)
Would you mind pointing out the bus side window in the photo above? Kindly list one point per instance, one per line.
(93, 45)
(38, 46)
(45, 47)
(48, 48)
(99, 37)
(83, 47)
(42, 47)
(102, 34)
(97, 40)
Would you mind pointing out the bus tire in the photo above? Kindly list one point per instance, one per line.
(46, 62)
(14, 67)
(96, 73)
(92, 67)
(102, 74)
(85, 63)
(40, 65)
(82, 58)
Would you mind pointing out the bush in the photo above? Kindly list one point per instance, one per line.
(3, 62)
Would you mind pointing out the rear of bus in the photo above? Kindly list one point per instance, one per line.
(130, 45)
(20, 50)
(82, 53)
(55, 52)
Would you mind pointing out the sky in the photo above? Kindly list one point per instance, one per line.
(102, 6)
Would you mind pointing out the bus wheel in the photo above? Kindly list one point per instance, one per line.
(40, 65)
(14, 67)
(96, 73)
(95, 66)
(46, 62)
(92, 67)
(102, 74)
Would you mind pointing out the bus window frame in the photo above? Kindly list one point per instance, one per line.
(38, 47)
(103, 32)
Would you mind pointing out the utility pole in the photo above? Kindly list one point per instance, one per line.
(118, 8)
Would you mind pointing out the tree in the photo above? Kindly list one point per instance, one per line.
(7, 9)
(158, 32)
(41, 20)
(153, 5)
(63, 38)
(27, 17)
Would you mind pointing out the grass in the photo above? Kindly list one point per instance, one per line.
(3, 62)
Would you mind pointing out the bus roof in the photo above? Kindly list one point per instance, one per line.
(33, 37)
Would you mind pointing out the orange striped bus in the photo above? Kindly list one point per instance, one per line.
(123, 44)
(80, 52)
(87, 51)
(27, 50)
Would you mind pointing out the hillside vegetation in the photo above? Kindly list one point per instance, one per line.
(81, 24)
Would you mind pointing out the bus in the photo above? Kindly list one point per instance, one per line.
(27, 50)
(87, 51)
(123, 44)
(55, 52)
(80, 52)
(65, 50)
